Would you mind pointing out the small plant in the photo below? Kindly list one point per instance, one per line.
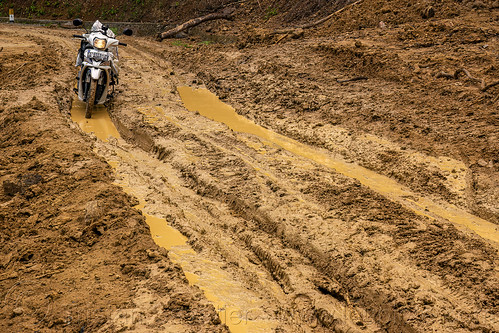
(206, 42)
(107, 13)
(74, 11)
(271, 11)
(33, 10)
(180, 43)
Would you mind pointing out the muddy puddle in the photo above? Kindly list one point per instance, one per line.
(238, 308)
(100, 124)
(208, 105)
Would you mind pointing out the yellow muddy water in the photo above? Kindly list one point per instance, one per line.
(237, 307)
(100, 124)
(208, 105)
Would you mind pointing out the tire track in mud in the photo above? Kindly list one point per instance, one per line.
(222, 166)
(146, 176)
(85, 250)
(278, 193)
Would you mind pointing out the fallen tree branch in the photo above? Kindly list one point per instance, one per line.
(483, 87)
(18, 68)
(358, 78)
(456, 75)
(462, 70)
(318, 22)
(488, 86)
(281, 38)
(444, 75)
(224, 15)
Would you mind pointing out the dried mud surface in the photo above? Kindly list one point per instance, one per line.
(320, 250)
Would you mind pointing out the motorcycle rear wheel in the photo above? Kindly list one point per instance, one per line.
(91, 98)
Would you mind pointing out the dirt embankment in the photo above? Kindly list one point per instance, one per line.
(74, 251)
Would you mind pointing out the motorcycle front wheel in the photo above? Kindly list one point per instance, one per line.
(91, 98)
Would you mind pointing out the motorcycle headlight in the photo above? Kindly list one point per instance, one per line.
(99, 43)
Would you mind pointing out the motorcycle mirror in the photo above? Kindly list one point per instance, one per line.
(77, 22)
(105, 28)
(127, 32)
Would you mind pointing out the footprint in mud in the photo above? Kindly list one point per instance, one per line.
(304, 310)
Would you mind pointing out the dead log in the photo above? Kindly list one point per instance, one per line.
(224, 15)
(444, 75)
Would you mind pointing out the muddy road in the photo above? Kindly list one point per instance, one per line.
(274, 219)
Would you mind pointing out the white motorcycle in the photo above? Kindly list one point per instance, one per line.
(98, 62)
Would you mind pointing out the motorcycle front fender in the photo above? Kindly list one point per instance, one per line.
(101, 74)
(95, 73)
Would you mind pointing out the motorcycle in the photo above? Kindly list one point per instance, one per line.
(98, 61)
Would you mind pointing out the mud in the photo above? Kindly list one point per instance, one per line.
(338, 207)
(74, 251)
(398, 121)
(100, 125)
(208, 105)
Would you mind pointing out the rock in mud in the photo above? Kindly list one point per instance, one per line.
(17, 311)
(93, 211)
(11, 188)
(428, 12)
(482, 163)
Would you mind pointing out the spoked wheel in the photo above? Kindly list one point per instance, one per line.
(91, 98)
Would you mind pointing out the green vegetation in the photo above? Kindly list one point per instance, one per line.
(108, 13)
(180, 43)
(54, 3)
(206, 42)
(271, 11)
(75, 11)
(33, 10)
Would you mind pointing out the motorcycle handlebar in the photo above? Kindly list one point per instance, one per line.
(80, 36)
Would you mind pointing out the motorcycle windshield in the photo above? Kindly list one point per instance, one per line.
(97, 27)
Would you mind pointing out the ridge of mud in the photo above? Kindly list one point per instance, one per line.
(73, 249)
